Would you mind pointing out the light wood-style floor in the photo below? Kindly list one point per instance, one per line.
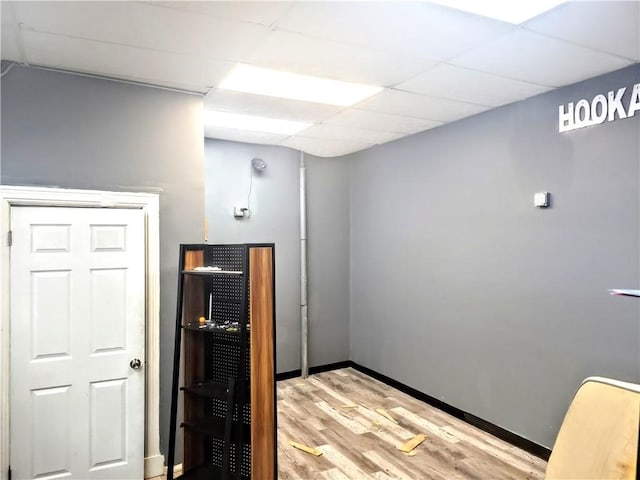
(335, 412)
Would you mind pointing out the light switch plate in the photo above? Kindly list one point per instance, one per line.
(238, 212)
(541, 199)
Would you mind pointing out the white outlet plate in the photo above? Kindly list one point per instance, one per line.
(541, 199)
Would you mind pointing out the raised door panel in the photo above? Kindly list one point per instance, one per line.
(108, 310)
(108, 420)
(51, 422)
(50, 238)
(50, 315)
(108, 238)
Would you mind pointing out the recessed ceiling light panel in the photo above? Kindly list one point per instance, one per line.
(237, 121)
(274, 83)
(511, 11)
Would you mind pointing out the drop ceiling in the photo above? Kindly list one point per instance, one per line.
(436, 64)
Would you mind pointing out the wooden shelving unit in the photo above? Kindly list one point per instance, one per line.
(225, 356)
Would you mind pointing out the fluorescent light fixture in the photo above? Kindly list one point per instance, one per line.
(511, 11)
(274, 83)
(237, 121)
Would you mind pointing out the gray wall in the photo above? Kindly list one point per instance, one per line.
(462, 289)
(328, 217)
(275, 205)
(77, 132)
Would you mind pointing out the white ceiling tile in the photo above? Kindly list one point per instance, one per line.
(607, 26)
(411, 104)
(265, 106)
(535, 58)
(122, 61)
(142, 25)
(471, 86)
(323, 147)
(348, 134)
(243, 136)
(417, 29)
(263, 12)
(352, 117)
(297, 53)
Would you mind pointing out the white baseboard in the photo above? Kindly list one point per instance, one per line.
(154, 466)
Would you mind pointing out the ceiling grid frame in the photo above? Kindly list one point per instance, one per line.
(436, 64)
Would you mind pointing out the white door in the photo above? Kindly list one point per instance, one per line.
(77, 321)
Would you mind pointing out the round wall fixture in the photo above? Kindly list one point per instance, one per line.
(258, 164)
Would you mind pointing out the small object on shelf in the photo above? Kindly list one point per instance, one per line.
(207, 269)
(202, 320)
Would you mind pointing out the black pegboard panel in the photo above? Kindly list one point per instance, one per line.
(219, 409)
(227, 257)
(225, 312)
(227, 288)
(245, 466)
(223, 358)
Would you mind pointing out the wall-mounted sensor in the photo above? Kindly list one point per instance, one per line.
(241, 212)
(258, 164)
(541, 199)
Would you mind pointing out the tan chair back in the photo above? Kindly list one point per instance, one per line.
(598, 438)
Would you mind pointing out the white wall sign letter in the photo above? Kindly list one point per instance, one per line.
(599, 110)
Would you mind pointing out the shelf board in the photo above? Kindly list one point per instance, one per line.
(208, 273)
(220, 331)
(214, 427)
(207, 472)
(209, 389)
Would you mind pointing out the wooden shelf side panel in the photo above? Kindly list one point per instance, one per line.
(193, 353)
(193, 305)
(263, 447)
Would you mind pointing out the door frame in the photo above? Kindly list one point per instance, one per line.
(11, 196)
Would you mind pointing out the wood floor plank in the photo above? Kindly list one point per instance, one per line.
(381, 476)
(296, 464)
(425, 425)
(391, 468)
(328, 387)
(495, 452)
(302, 410)
(343, 463)
(359, 443)
(396, 466)
(342, 419)
(334, 474)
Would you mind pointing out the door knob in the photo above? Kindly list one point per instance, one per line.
(135, 363)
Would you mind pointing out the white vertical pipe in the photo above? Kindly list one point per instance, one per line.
(304, 321)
